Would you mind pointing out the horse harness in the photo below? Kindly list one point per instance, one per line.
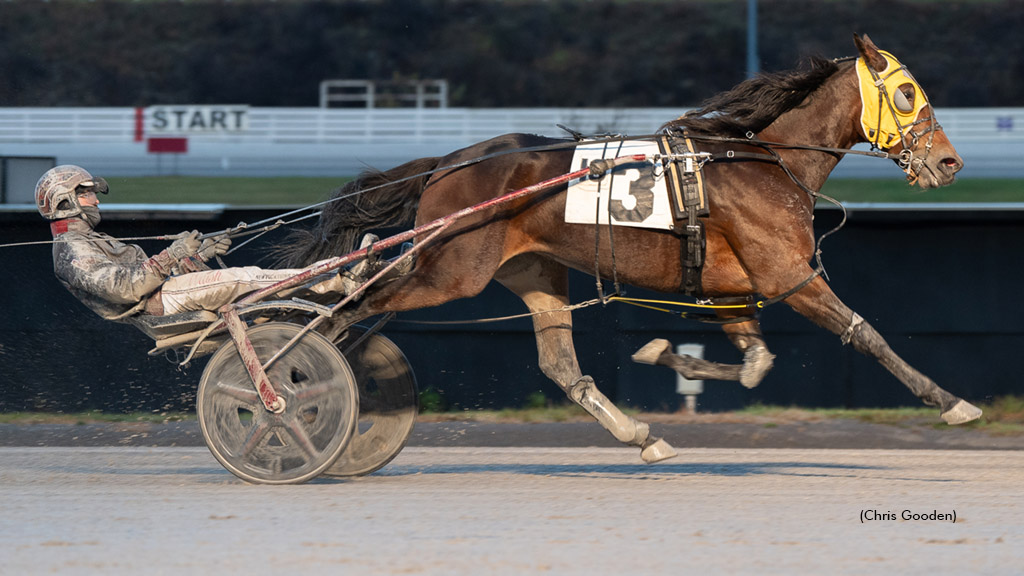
(682, 162)
(689, 204)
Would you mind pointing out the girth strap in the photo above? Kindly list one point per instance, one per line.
(689, 203)
(692, 259)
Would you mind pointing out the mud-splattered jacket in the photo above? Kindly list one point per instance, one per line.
(112, 278)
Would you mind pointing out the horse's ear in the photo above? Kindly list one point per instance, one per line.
(869, 52)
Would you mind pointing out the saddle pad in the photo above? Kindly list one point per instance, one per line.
(633, 194)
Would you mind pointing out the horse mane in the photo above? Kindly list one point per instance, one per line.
(755, 103)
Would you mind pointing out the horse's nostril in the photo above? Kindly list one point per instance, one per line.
(952, 165)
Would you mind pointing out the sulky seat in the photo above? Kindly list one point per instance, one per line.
(159, 327)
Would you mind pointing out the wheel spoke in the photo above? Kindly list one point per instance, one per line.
(247, 395)
(298, 433)
(256, 433)
(312, 393)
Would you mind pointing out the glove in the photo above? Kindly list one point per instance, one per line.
(185, 246)
(213, 247)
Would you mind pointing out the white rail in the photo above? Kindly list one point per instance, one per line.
(328, 126)
(343, 142)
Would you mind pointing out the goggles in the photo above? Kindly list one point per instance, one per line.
(95, 186)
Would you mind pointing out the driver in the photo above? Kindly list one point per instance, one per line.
(118, 280)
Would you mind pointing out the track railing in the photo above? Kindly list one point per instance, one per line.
(327, 126)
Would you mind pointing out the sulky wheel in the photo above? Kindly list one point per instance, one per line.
(388, 403)
(321, 407)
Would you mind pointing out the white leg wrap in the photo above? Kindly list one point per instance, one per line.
(651, 351)
(625, 429)
(757, 361)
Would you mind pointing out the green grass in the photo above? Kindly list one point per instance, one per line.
(1001, 416)
(566, 413)
(897, 190)
(873, 415)
(216, 190)
(93, 416)
(305, 191)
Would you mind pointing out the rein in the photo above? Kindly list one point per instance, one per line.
(598, 167)
(266, 225)
(274, 222)
(905, 157)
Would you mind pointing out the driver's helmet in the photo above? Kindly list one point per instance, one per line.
(57, 191)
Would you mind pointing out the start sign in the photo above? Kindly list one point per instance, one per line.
(186, 119)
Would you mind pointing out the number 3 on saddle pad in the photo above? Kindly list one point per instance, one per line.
(631, 195)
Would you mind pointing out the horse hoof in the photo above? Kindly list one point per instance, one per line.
(651, 351)
(961, 413)
(657, 451)
(756, 363)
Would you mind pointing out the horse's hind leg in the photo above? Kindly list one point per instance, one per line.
(543, 286)
(818, 303)
(746, 336)
(757, 360)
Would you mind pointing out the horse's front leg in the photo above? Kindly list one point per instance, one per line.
(818, 303)
(542, 285)
(746, 336)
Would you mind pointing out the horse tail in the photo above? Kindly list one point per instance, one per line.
(375, 199)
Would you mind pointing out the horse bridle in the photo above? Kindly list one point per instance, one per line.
(907, 161)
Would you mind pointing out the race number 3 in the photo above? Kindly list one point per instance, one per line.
(633, 194)
(632, 191)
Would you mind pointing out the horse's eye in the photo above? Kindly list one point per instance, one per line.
(903, 99)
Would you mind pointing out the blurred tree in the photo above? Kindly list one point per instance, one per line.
(563, 53)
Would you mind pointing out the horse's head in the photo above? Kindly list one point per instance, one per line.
(897, 117)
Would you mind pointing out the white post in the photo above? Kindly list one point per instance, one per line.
(689, 388)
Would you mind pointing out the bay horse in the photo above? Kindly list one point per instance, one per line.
(758, 231)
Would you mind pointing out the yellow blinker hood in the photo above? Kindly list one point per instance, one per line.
(882, 121)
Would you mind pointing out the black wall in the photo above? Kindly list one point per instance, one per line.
(942, 286)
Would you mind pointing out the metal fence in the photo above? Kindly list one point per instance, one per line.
(326, 126)
(316, 141)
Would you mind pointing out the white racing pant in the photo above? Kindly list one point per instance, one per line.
(211, 289)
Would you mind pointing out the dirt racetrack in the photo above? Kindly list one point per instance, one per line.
(519, 510)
